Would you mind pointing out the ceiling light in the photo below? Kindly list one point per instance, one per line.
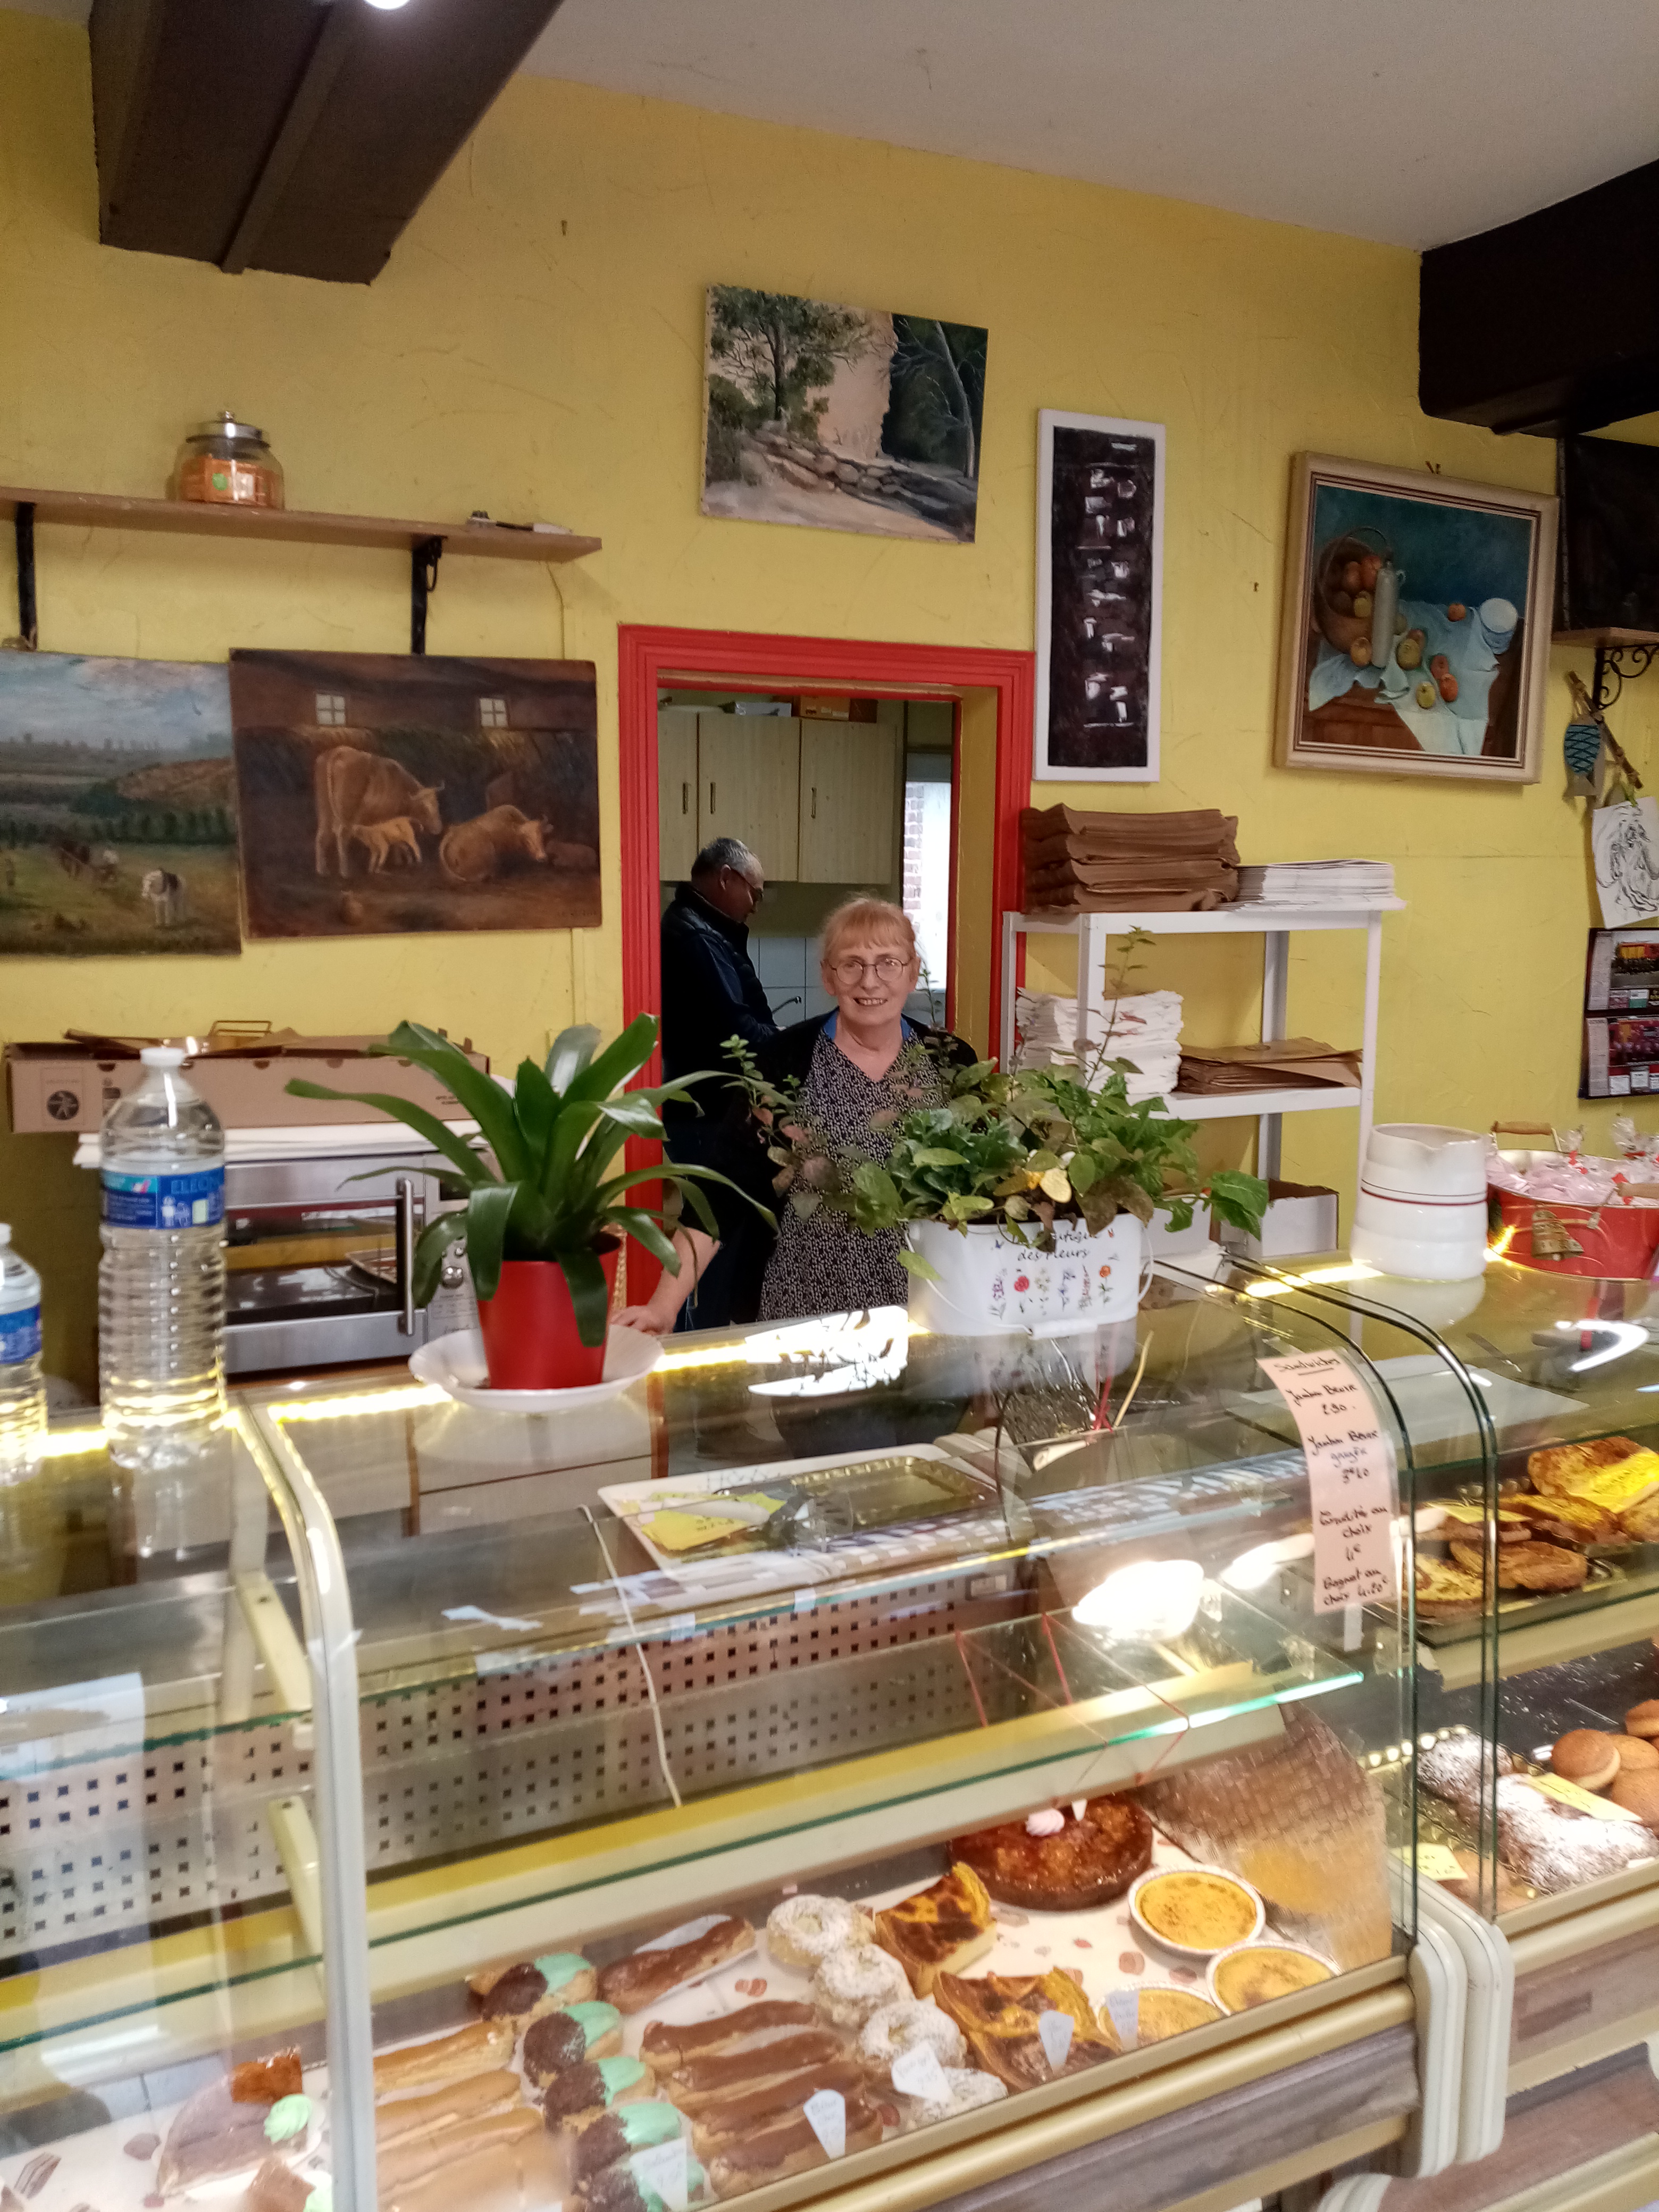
(1146, 1603)
(388, 3)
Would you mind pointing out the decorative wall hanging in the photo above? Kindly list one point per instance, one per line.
(841, 417)
(117, 828)
(1100, 598)
(1417, 624)
(385, 794)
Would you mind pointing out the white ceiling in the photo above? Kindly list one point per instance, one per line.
(1411, 121)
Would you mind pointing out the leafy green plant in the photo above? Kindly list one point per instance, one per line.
(549, 1194)
(1023, 1150)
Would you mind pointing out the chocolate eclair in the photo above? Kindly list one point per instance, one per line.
(635, 2127)
(579, 2095)
(619, 2189)
(566, 2038)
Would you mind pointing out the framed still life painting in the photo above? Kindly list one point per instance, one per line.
(1100, 598)
(1417, 624)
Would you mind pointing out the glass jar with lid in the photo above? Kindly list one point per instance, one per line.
(227, 463)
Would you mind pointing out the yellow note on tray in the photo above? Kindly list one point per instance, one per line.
(1581, 1801)
(682, 1528)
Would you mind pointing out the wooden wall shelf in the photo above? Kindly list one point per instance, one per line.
(109, 511)
(1609, 640)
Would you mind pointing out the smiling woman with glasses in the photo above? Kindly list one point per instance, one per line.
(856, 1067)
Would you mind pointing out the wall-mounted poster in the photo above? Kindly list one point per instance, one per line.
(1417, 624)
(117, 822)
(843, 418)
(1622, 1013)
(385, 792)
(1100, 598)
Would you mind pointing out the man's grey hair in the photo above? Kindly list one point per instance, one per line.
(724, 853)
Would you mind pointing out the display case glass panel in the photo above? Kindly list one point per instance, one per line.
(163, 2031)
(852, 1673)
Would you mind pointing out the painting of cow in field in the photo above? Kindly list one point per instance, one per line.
(118, 820)
(384, 793)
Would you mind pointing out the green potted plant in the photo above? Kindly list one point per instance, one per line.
(543, 1226)
(1025, 1196)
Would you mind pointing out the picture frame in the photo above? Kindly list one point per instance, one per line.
(1099, 598)
(1416, 624)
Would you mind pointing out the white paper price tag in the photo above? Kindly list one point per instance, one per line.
(663, 2168)
(1351, 1478)
(1123, 2009)
(1055, 2028)
(917, 2074)
(826, 2115)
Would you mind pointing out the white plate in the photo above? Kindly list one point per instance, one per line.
(456, 1366)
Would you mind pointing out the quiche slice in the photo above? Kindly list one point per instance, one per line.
(999, 2012)
(1445, 1592)
(1611, 1472)
(940, 1930)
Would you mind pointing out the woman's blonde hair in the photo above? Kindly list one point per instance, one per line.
(876, 920)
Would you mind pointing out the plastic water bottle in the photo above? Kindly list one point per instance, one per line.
(23, 1394)
(161, 1281)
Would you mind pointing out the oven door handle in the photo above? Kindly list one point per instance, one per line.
(405, 1253)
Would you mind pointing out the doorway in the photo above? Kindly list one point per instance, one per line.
(838, 797)
(989, 695)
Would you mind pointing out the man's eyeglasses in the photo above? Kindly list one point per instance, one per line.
(887, 968)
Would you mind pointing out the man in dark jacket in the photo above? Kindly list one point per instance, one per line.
(710, 992)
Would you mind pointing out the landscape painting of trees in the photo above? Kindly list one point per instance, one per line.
(118, 820)
(842, 418)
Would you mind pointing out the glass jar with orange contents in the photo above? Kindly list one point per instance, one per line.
(227, 463)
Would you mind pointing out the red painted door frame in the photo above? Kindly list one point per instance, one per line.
(648, 657)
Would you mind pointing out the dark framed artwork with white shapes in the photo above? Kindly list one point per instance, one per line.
(1100, 598)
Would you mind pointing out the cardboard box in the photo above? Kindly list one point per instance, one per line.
(242, 1074)
(1301, 1217)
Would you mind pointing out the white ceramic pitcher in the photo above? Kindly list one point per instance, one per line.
(1421, 1213)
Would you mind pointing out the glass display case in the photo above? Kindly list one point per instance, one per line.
(170, 1861)
(853, 1746)
(1536, 1596)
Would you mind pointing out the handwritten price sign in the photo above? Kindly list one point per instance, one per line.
(1351, 1478)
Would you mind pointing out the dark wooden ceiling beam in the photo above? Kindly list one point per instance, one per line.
(293, 134)
(1549, 324)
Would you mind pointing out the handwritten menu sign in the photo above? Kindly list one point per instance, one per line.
(1351, 1478)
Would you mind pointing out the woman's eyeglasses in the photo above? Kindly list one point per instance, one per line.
(887, 968)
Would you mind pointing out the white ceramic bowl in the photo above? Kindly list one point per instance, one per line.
(1436, 1240)
(1424, 1160)
(1160, 1942)
(456, 1365)
(1260, 1943)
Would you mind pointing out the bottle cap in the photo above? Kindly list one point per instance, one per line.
(162, 1056)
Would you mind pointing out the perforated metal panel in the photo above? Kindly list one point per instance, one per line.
(147, 1839)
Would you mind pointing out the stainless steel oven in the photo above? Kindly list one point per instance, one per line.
(319, 1267)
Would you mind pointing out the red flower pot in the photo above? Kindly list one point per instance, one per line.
(529, 1328)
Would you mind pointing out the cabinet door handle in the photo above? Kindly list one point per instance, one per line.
(814, 802)
(711, 795)
(685, 798)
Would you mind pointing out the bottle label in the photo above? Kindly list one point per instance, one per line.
(164, 1201)
(20, 1334)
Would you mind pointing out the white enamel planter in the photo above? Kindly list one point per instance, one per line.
(990, 1283)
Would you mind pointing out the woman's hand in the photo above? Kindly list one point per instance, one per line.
(649, 1319)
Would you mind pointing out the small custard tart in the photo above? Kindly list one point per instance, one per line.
(1196, 1911)
(1165, 2011)
(1256, 1973)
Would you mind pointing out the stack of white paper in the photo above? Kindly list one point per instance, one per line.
(1145, 1031)
(1316, 883)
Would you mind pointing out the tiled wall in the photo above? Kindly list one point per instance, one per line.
(788, 969)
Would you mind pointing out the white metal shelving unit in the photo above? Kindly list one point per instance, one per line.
(1275, 924)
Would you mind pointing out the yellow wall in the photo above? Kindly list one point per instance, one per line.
(534, 348)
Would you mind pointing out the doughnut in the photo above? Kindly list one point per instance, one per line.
(896, 2028)
(966, 2090)
(1586, 1757)
(1643, 1720)
(803, 1932)
(855, 1981)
